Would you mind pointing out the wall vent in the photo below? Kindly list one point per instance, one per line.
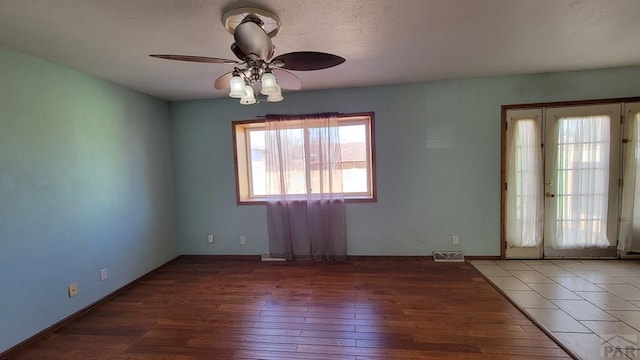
(448, 256)
(267, 257)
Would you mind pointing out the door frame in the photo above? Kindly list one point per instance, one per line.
(503, 147)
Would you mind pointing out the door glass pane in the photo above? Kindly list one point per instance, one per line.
(582, 166)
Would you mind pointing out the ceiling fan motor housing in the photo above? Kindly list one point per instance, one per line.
(252, 39)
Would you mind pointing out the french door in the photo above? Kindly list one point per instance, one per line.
(562, 181)
(581, 175)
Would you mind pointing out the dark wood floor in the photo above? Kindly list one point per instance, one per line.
(204, 308)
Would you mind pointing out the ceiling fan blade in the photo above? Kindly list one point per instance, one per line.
(222, 82)
(308, 60)
(287, 80)
(200, 59)
(252, 39)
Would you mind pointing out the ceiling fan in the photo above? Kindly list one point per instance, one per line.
(252, 30)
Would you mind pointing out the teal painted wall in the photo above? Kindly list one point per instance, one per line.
(86, 182)
(438, 161)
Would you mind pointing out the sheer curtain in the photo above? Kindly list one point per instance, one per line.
(630, 216)
(524, 205)
(582, 178)
(305, 204)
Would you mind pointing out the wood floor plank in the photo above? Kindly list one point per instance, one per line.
(274, 355)
(301, 340)
(365, 309)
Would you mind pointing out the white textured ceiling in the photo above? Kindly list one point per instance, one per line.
(384, 42)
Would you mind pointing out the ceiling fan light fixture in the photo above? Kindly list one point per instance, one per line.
(252, 30)
(248, 97)
(237, 86)
(276, 96)
(269, 84)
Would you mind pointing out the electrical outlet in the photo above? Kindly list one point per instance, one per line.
(210, 239)
(242, 240)
(103, 274)
(456, 239)
(72, 289)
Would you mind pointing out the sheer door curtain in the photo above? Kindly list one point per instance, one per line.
(630, 216)
(524, 224)
(305, 202)
(582, 165)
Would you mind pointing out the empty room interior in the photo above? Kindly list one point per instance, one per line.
(297, 179)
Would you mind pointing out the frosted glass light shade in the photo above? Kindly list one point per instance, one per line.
(269, 85)
(248, 97)
(237, 87)
(276, 96)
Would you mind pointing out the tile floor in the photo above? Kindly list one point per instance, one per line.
(590, 306)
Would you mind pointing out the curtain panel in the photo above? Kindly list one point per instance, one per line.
(629, 239)
(305, 203)
(583, 147)
(524, 205)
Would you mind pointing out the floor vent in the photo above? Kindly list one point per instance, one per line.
(267, 257)
(448, 256)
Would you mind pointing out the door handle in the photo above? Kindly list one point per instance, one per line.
(549, 194)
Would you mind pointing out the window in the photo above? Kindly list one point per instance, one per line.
(356, 171)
